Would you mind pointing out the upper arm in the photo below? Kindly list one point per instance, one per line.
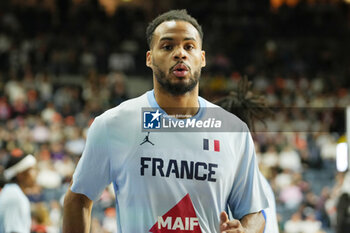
(247, 194)
(93, 173)
(76, 200)
(76, 213)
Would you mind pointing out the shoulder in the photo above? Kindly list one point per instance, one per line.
(126, 110)
(231, 123)
(12, 195)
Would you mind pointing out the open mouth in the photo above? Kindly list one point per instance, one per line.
(180, 70)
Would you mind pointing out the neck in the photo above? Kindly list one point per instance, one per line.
(185, 105)
(22, 187)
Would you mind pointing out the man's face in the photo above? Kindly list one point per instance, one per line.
(176, 57)
(27, 178)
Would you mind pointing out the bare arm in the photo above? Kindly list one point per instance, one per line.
(76, 213)
(254, 222)
(251, 223)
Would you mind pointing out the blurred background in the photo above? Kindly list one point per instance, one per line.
(63, 62)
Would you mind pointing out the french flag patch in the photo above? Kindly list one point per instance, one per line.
(211, 145)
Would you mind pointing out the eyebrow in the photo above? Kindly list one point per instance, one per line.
(171, 39)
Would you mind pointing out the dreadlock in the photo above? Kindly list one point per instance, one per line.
(246, 105)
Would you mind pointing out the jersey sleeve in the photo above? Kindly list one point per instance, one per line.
(247, 194)
(92, 174)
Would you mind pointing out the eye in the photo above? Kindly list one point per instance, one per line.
(167, 47)
(189, 47)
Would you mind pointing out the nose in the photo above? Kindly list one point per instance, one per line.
(180, 54)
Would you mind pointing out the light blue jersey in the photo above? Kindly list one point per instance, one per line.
(169, 181)
(14, 210)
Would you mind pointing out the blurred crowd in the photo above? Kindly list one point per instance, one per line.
(62, 67)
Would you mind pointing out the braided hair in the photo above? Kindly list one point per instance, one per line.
(245, 104)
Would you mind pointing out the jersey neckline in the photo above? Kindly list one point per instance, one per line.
(153, 103)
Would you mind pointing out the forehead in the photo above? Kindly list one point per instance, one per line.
(176, 29)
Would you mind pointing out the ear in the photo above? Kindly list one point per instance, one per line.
(149, 59)
(203, 58)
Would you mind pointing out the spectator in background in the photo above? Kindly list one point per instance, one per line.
(343, 207)
(289, 159)
(15, 207)
(294, 225)
(118, 89)
(270, 157)
(40, 218)
(5, 109)
(297, 225)
(291, 194)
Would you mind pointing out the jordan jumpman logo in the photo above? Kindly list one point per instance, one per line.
(146, 139)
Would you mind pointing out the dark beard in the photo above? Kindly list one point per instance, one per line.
(178, 88)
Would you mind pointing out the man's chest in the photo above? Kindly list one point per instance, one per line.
(179, 159)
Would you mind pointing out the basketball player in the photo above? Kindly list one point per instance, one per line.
(14, 204)
(181, 181)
